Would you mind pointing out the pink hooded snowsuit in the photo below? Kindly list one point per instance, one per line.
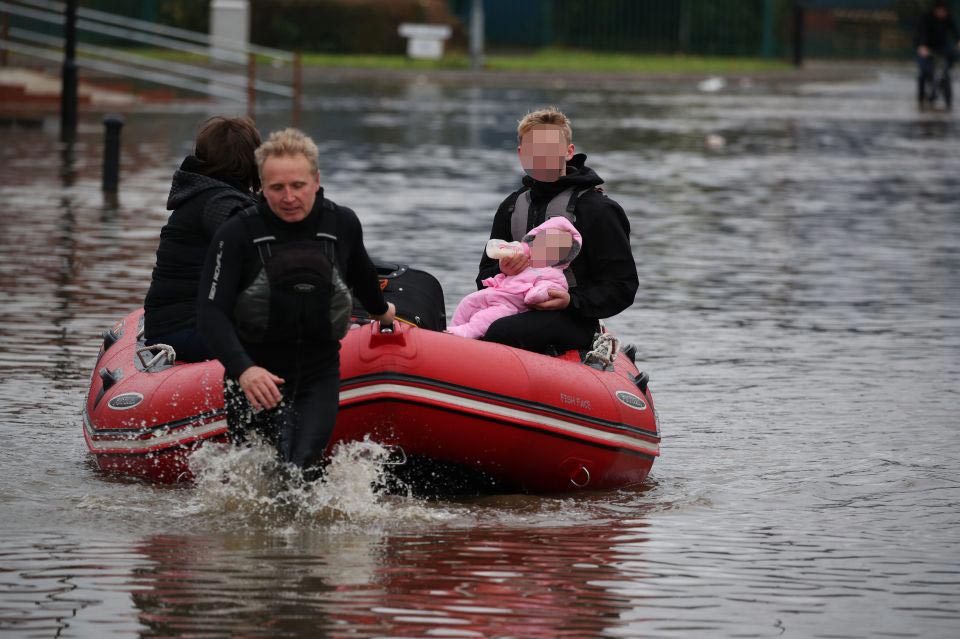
(510, 294)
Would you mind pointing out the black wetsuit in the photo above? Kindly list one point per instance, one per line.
(605, 272)
(309, 364)
(199, 205)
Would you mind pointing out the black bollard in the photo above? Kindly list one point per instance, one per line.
(111, 152)
(68, 88)
(799, 17)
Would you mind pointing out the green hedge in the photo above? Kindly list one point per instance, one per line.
(325, 26)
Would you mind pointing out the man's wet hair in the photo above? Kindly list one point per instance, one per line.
(286, 143)
(225, 147)
(548, 115)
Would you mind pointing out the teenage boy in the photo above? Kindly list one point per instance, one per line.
(603, 277)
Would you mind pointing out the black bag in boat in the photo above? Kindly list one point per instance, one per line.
(417, 295)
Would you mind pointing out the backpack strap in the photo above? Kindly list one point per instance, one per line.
(519, 220)
(258, 232)
(327, 229)
(575, 197)
(327, 225)
(516, 195)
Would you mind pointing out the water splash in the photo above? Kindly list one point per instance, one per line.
(250, 484)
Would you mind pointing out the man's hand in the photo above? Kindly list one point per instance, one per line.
(514, 264)
(559, 300)
(923, 51)
(388, 317)
(260, 387)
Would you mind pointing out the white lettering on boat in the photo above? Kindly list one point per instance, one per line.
(572, 400)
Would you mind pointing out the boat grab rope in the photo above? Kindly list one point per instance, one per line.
(604, 350)
(163, 352)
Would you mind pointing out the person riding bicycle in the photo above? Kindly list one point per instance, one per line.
(937, 35)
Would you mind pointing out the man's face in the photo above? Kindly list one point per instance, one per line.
(290, 186)
(941, 13)
(544, 153)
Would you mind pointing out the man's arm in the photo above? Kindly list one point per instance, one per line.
(612, 282)
(361, 275)
(217, 294)
(219, 284)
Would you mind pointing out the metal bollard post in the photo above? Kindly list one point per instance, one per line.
(251, 85)
(799, 18)
(297, 86)
(68, 85)
(111, 152)
(4, 35)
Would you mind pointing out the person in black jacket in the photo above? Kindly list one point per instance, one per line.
(603, 278)
(273, 303)
(210, 186)
(937, 35)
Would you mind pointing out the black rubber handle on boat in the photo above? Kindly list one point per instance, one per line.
(641, 380)
(109, 339)
(109, 377)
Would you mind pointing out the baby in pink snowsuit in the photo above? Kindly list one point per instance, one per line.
(551, 247)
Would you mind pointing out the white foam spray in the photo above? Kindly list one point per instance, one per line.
(249, 484)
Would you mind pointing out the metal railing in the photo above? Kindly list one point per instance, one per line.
(236, 63)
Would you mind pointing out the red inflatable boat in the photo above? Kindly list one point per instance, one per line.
(462, 415)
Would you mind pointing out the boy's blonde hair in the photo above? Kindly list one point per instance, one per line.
(286, 143)
(549, 115)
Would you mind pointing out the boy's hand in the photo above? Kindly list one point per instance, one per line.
(559, 300)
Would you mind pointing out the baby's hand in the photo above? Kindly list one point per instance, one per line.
(513, 265)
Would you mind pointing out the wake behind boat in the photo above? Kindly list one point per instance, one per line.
(460, 415)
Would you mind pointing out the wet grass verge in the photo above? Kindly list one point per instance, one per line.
(544, 60)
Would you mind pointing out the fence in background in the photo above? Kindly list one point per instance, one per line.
(832, 28)
(160, 54)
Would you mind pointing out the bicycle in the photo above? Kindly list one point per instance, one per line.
(935, 84)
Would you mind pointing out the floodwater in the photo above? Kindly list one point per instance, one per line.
(799, 316)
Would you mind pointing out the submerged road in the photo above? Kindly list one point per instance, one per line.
(799, 315)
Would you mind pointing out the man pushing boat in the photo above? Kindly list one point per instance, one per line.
(603, 277)
(275, 302)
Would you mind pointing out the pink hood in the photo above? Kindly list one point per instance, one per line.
(562, 224)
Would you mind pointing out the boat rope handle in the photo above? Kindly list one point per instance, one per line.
(164, 351)
(605, 349)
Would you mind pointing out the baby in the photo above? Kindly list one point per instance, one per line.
(550, 246)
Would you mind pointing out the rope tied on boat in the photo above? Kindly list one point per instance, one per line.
(163, 352)
(604, 350)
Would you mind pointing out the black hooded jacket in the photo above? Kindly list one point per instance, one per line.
(200, 204)
(936, 34)
(605, 272)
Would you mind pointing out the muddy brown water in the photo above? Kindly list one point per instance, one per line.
(799, 316)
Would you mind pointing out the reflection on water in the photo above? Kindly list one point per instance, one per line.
(799, 314)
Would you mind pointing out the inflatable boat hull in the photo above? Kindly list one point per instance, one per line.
(491, 417)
